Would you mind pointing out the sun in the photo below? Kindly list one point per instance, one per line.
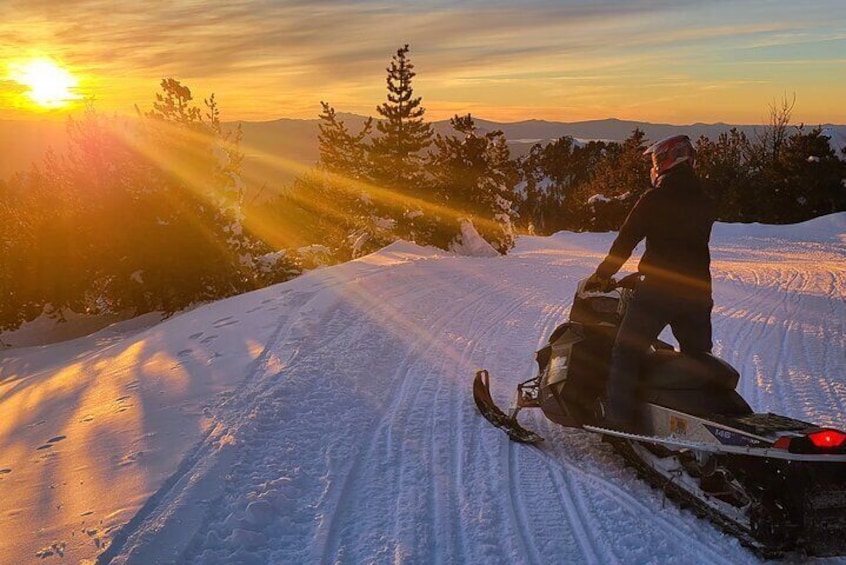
(50, 85)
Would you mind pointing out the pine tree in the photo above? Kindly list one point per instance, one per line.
(186, 240)
(404, 134)
(341, 152)
(372, 188)
(554, 179)
(724, 167)
(174, 105)
(811, 177)
(617, 182)
(530, 191)
(475, 178)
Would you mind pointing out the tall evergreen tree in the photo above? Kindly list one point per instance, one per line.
(404, 135)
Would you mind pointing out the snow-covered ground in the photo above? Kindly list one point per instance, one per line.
(329, 419)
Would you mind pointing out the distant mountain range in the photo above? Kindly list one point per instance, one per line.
(277, 151)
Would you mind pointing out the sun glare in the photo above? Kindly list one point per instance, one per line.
(50, 85)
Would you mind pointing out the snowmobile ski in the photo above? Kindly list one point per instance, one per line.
(493, 414)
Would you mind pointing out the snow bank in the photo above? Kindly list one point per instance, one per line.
(825, 229)
(46, 329)
(471, 244)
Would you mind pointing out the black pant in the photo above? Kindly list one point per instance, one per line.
(649, 312)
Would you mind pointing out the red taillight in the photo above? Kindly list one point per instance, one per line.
(827, 438)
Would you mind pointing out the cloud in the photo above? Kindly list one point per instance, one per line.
(215, 38)
(293, 53)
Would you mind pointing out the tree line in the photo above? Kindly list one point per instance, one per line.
(149, 213)
(137, 216)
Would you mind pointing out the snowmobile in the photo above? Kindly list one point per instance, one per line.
(776, 483)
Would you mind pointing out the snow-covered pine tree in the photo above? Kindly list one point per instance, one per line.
(475, 178)
(343, 185)
(195, 245)
(552, 177)
(497, 189)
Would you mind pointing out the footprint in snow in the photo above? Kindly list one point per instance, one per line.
(51, 442)
(184, 352)
(5, 471)
(123, 407)
(223, 322)
(57, 548)
(128, 459)
(209, 339)
(197, 335)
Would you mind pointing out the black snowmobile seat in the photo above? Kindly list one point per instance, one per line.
(670, 369)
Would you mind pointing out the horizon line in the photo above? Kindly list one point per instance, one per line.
(65, 115)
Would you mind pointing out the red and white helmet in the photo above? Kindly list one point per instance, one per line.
(669, 152)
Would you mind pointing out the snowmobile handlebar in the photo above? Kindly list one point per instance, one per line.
(629, 281)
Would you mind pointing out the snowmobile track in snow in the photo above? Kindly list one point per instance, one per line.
(362, 422)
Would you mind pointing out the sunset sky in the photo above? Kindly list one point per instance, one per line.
(566, 60)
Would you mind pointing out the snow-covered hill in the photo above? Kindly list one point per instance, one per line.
(329, 419)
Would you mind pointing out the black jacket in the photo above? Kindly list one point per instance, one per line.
(675, 219)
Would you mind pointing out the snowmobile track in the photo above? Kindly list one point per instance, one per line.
(685, 500)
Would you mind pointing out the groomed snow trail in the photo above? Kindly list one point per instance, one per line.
(355, 438)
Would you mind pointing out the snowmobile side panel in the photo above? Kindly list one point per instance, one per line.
(762, 449)
(572, 370)
(706, 402)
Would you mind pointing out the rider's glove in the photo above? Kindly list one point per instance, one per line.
(597, 283)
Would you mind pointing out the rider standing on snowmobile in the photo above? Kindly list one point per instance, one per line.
(675, 219)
